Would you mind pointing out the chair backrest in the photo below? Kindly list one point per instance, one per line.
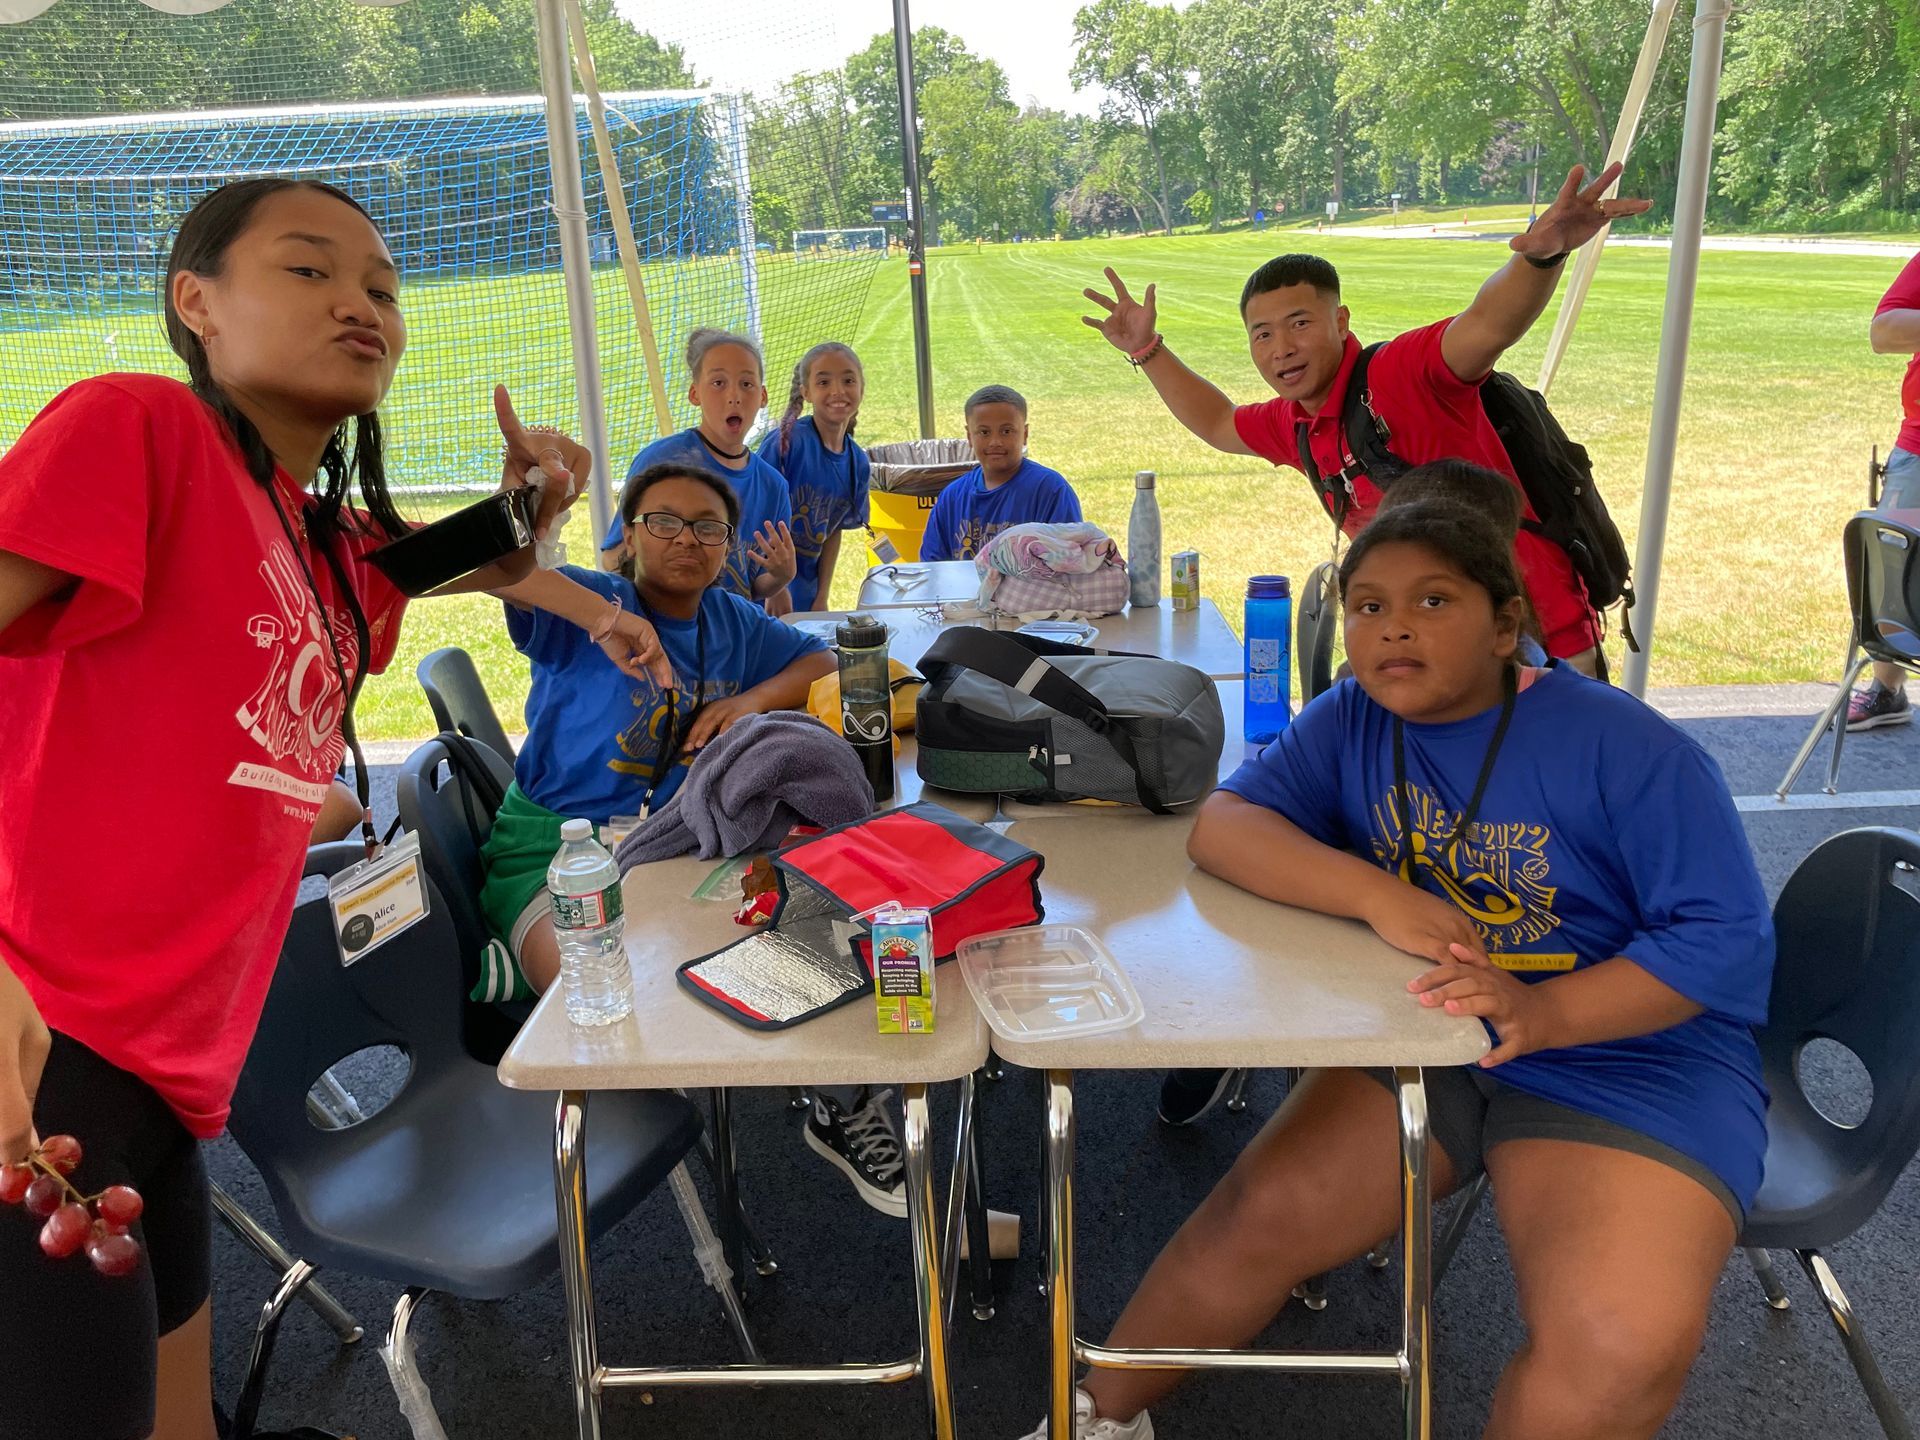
(407, 993)
(1848, 969)
(1883, 587)
(1316, 618)
(459, 701)
(440, 803)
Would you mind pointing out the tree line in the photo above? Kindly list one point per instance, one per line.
(1235, 109)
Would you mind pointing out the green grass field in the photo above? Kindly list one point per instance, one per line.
(1783, 400)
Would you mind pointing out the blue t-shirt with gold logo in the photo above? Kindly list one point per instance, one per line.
(967, 514)
(829, 493)
(594, 733)
(1605, 830)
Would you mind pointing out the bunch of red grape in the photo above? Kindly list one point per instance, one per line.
(97, 1223)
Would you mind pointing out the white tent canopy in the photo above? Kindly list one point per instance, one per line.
(1689, 217)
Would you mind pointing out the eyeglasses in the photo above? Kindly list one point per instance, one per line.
(665, 524)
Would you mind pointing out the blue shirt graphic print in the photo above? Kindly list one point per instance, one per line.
(1605, 831)
(967, 514)
(595, 734)
(829, 494)
(761, 488)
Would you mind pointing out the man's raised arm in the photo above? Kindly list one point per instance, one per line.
(1518, 291)
(1195, 401)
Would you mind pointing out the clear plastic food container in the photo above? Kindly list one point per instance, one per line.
(1042, 981)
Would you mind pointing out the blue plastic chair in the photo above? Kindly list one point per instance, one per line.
(450, 1186)
(460, 702)
(1848, 970)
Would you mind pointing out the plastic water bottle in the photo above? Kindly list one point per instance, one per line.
(590, 924)
(866, 699)
(1268, 628)
(1143, 543)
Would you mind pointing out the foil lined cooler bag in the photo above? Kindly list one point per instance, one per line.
(1012, 714)
(815, 954)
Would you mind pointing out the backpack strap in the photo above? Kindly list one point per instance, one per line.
(476, 776)
(1021, 663)
(1369, 451)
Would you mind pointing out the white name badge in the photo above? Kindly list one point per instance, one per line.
(377, 899)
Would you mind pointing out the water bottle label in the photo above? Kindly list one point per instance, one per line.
(1263, 655)
(1263, 688)
(587, 912)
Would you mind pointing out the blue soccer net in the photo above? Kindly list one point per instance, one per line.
(456, 177)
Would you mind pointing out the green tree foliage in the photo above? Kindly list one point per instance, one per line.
(1134, 50)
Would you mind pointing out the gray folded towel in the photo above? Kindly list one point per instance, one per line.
(752, 784)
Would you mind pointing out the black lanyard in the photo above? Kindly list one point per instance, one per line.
(1511, 685)
(349, 689)
(672, 735)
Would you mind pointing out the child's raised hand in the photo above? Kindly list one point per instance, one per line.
(772, 551)
(1128, 323)
(562, 460)
(1467, 983)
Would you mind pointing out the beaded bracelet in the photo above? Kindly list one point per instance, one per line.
(1141, 357)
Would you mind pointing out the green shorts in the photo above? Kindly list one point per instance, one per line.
(514, 862)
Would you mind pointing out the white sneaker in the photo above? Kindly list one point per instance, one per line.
(1086, 1427)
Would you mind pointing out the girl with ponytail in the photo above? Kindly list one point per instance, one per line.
(826, 472)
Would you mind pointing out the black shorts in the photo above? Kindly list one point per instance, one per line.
(83, 1341)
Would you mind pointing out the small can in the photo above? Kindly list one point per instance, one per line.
(903, 970)
(1186, 580)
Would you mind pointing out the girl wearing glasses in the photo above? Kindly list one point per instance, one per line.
(607, 735)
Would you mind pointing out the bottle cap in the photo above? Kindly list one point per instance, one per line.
(573, 831)
(1143, 479)
(1269, 587)
(861, 632)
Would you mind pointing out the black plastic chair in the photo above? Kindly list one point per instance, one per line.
(460, 702)
(441, 799)
(1848, 970)
(1883, 598)
(450, 1186)
(1316, 620)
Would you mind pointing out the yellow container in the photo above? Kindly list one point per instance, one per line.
(901, 519)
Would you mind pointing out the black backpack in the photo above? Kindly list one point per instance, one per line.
(1555, 474)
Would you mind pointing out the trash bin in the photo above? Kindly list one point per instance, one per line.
(907, 476)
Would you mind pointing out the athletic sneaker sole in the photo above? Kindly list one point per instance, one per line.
(1881, 721)
(894, 1205)
(1219, 1093)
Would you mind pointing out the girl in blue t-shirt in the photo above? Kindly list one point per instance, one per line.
(728, 385)
(826, 472)
(606, 734)
(1572, 864)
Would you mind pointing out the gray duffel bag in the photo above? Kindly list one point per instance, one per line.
(1011, 714)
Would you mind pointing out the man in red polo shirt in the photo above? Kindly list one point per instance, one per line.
(1425, 384)
(1896, 331)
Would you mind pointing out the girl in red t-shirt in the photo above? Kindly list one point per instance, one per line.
(185, 610)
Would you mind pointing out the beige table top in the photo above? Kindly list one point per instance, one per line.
(675, 1041)
(1226, 978)
(886, 585)
(1200, 638)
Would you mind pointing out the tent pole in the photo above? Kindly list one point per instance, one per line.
(1683, 270)
(1588, 260)
(916, 214)
(576, 264)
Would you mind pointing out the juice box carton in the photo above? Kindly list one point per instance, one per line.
(1186, 580)
(903, 970)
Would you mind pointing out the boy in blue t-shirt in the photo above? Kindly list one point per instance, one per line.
(1004, 489)
(1573, 866)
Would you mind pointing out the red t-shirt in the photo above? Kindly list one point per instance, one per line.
(177, 718)
(1905, 295)
(1432, 414)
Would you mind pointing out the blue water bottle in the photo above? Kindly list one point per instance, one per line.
(1268, 630)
